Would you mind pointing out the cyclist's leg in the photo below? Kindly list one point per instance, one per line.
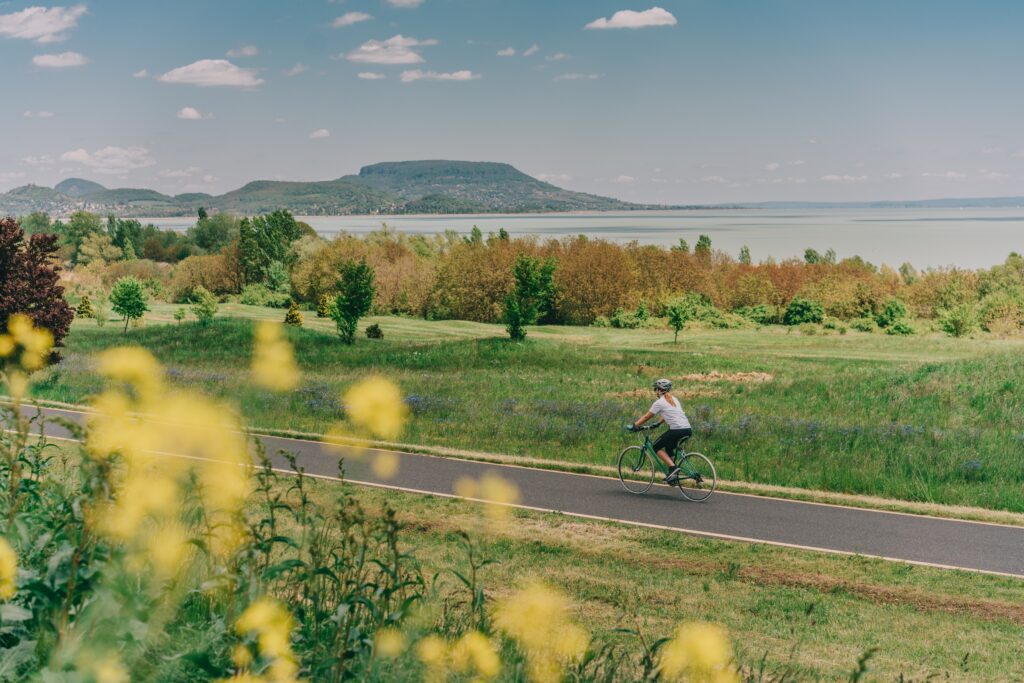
(661, 446)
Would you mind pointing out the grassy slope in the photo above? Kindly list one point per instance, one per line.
(620, 577)
(927, 419)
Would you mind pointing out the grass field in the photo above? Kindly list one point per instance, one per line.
(919, 418)
(814, 613)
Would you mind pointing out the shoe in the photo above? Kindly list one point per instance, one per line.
(673, 476)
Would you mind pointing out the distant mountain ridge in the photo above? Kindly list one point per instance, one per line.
(432, 186)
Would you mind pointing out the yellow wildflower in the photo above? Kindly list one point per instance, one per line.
(389, 642)
(17, 383)
(433, 652)
(498, 492)
(8, 570)
(35, 342)
(537, 618)
(111, 670)
(474, 652)
(168, 547)
(699, 653)
(385, 465)
(376, 405)
(7, 345)
(272, 623)
(273, 363)
(134, 366)
(241, 656)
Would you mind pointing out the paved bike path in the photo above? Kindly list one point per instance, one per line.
(973, 546)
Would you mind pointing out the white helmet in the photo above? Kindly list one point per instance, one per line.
(663, 385)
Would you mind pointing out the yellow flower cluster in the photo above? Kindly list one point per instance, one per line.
(389, 642)
(375, 405)
(472, 655)
(163, 436)
(699, 653)
(537, 618)
(31, 343)
(8, 570)
(273, 363)
(272, 625)
(498, 494)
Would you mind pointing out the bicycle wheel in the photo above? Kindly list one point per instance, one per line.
(697, 477)
(636, 471)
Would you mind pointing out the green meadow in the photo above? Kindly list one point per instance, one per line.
(923, 418)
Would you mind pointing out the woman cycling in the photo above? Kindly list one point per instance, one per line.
(667, 406)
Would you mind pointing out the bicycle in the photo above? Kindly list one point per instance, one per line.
(697, 476)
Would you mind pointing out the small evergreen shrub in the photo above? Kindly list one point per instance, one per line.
(293, 317)
(893, 312)
(802, 311)
(899, 328)
(864, 325)
(85, 309)
(374, 332)
(323, 306)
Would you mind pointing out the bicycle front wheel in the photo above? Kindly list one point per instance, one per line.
(697, 477)
(636, 471)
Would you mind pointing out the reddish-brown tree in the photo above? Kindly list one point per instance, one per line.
(28, 280)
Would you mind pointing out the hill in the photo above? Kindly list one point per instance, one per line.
(78, 187)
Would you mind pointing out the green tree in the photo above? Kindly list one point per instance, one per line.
(204, 305)
(85, 309)
(745, 255)
(678, 315)
(213, 233)
(531, 295)
(124, 232)
(80, 226)
(959, 320)
(179, 315)
(201, 213)
(476, 236)
(503, 235)
(802, 311)
(264, 240)
(128, 299)
(98, 248)
(353, 297)
(683, 246)
(811, 256)
(293, 317)
(703, 247)
(36, 223)
(893, 312)
(908, 273)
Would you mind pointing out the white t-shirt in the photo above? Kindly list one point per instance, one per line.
(673, 415)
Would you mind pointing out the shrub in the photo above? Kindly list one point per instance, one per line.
(802, 311)
(205, 306)
(899, 328)
(959, 321)
(128, 299)
(531, 294)
(809, 329)
(261, 295)
(85, 309)
(354, 296)
(293, 317)
(601, 321)
(1001, 309)
(760, 314)
(893, 311)
(323, 306)
(631, 321)
(374, 332)
(830, 323)
(864, 324)
(179, 315)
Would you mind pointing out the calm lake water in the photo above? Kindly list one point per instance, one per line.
(970, 238)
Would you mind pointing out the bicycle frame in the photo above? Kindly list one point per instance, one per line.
(648, 448)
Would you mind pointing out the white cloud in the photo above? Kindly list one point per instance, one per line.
(296, 70)
(627, 18)
(181, 173)
(209, 178)
(419, 75)
(714, 179)
(992, 150)
(208, 73)
(949, 175)
(774, 166)
(798, 162)
(60, 61)
(576, 77)
(370, 76)
(141, 73)
(624, 179)
(986, 174)
(42, 160)
(192, 114)
(111, 160)
(812, 141)
(557, 57)
(319, 134)
(507, 52)
(406, 4)
(41, 24)
(11, 175)
(244, 51)
(350, 18)
(893, 176)
(394, 50)
(39, 115)
(553, 177)
(531, 51)
(844, 178)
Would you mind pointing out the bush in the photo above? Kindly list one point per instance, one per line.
(1001, 309)
(899, 328)
(601, 321)
(205, 306)
(958, 321)
(261, 295)
(293, 317)
(802, 311)
(864, 324)
(809, 329)
(374, 332)
(128, 299)
(760, 314)
(179, 315)
(831, 323)
(323, 306)
(893, 311)
(85, 309)
(354, 296)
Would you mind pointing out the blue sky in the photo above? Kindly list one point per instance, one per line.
(668, 101)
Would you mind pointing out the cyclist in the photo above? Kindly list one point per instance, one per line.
(671, 413)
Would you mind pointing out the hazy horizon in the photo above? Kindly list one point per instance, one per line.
(671, 102)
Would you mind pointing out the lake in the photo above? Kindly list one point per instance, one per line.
(971, 238)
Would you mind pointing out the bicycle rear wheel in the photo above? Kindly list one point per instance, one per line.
(636, 470)
(697, 477)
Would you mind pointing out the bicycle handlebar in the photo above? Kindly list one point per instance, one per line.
(645, 428)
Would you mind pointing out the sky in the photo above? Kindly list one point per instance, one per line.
(670, 101)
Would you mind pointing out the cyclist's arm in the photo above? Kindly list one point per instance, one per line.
(643, 419)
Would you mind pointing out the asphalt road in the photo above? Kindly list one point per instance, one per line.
(917, 539)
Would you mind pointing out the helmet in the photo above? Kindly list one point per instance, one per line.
(663, 385)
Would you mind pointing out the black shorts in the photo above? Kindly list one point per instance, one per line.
(671, 439)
